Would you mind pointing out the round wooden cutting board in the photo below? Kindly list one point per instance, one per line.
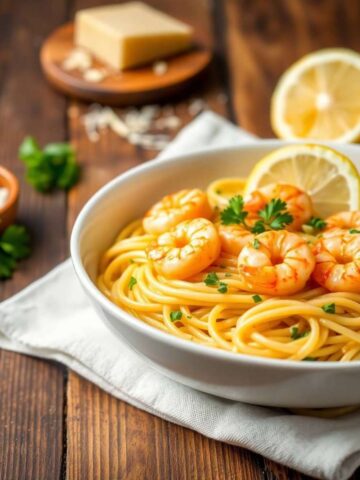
(130, 87)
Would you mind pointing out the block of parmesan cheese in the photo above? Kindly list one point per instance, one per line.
(130, 34)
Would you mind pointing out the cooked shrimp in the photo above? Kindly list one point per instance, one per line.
(186, 250)
(175, 208)
(234, 238)
(337, 256)
(280, 263)
(344, 220)
(298, 203)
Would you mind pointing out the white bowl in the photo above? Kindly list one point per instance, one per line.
(249, 379)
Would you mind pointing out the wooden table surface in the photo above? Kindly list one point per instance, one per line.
(54, 424)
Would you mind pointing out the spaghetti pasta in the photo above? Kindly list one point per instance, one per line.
(210, 307)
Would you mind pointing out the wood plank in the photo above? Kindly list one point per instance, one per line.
(31, 391)
(264, 38)
(110, 439)
(107, 438)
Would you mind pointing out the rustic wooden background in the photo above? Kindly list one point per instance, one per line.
(54, 424)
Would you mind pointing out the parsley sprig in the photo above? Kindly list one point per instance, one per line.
(274, 216)
(314, 225)
(14, 246)
(54, 166)
(317, 223)
(234, 213)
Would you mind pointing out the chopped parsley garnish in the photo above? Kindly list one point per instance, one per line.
(295, 334)
(132, 282)
(218, 191)
(211, 279)
(223, 288)
(354, 230)
(54, 166)
(175, 315)
(234, 213)
(309, 359)
(316, 223)
(14, 246)
(329, 307)
(256, 244)
(257, 298)
(228, 274)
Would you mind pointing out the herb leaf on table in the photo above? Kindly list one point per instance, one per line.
(14, 246)
(54, 166)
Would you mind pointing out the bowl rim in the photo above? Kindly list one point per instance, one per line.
(12, 184)
(159, 335)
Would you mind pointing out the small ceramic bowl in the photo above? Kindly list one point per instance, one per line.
(8, 211)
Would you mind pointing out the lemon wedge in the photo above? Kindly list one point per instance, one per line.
(319, 98)
(329, 177)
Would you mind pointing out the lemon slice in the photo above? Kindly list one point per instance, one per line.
(221, 190)
(328, 176)
(319, 97)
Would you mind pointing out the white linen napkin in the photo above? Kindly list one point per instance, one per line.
(37, 321)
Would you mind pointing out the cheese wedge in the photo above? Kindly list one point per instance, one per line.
(130, 34)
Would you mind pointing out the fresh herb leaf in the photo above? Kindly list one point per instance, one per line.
(54, 166)
(354, 230)
(175, 315)
(132, 282)
(309, 359)
(329, 307)
(234, 214)
(316, 223)
(256, 244)
(280, 221)
(274, 216)
(7, 265)
(228, 274)
(259, 227)
(211, 279)
(257, 298)
(29, 150)
(15, 241)
(14, 246)
(68, 174)
(223, 288)
(295, 334)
